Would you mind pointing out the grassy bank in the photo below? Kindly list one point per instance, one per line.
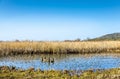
(14, 48)
(12, 73)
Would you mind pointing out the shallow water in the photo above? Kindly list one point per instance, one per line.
(62, 62)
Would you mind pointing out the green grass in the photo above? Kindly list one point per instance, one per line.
(15, 48)
(12, 73)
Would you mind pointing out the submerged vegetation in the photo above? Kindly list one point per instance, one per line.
(13, 73)
(14, 48)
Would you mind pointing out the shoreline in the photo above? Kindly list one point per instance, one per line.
(13, 73)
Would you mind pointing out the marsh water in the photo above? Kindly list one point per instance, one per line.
(63, 61)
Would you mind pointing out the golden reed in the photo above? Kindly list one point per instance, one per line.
(14, 48)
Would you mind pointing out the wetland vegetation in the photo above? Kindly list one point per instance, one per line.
(60, 60)
(13, 73)
(28, 47)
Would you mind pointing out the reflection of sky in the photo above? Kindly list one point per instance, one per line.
(72, 63)
(58, 19)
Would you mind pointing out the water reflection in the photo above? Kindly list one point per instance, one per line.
(49, 60)
(63, 61)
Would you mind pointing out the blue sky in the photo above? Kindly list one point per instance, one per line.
(58, 19)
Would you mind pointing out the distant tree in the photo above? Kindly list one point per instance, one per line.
(77, 40)
(67, 40)
(88, 39)
(17, 40)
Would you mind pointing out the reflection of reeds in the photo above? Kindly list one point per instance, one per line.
(49, 60)
(14, 48)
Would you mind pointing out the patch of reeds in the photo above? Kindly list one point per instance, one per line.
(15, 48)
(13, 73)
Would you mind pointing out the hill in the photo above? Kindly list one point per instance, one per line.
(107, 37)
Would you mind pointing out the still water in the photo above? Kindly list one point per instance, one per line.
(63, 61)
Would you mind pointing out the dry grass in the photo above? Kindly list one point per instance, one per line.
(14, 48)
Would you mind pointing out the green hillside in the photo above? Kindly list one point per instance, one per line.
(111, 37)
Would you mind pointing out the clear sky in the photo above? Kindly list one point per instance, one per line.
(58, 19)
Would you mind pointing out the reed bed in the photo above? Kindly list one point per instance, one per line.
(14, 48)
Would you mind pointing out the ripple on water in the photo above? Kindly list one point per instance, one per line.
(62, 62)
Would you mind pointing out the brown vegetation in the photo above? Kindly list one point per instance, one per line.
(14, 48)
